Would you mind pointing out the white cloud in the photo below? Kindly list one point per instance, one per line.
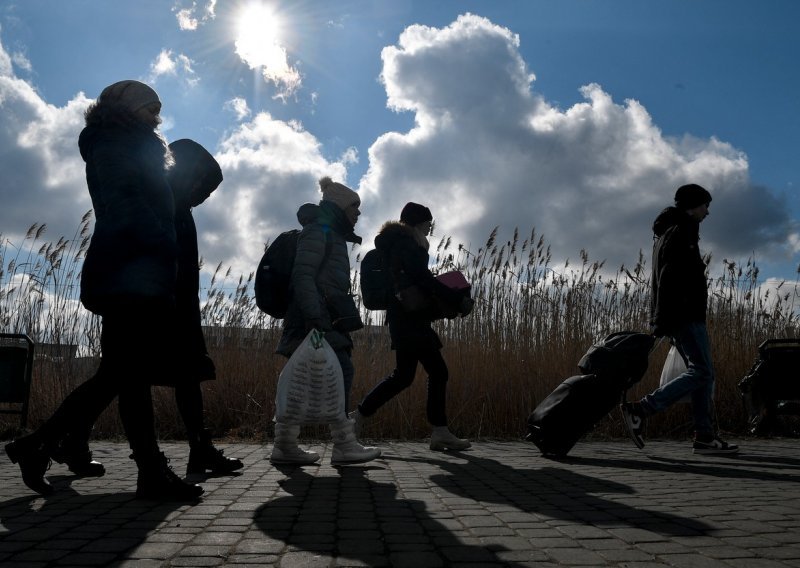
(170, 64)
(239, 108)
(43, 179)
(186, 16)
(487, 151)
(271, 167)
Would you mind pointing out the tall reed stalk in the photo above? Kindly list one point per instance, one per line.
(532, 322)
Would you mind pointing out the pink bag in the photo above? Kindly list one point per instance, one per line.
(454, 279)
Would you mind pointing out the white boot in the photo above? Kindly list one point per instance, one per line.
(443, 439)
(286, 451)
(346, 449)
(358, 421)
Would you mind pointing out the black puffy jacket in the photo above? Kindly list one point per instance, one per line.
(133, 251)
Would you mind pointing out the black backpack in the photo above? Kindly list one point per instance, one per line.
(375, 281)
(274, 273)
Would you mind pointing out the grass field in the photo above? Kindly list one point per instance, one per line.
(531, 324)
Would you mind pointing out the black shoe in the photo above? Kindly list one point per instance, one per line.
(714, 446)
(635, 420)
(34, 462)
(158, 482)
(79, 463)
(207, 457)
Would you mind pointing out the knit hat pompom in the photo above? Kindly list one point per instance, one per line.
(690, 196)
(338, 193)
(130, 94)
(414, 214)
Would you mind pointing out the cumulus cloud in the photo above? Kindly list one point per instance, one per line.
(271, 167)
(43, 180)
(487, 150)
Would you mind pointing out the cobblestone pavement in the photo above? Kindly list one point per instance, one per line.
(499, 504)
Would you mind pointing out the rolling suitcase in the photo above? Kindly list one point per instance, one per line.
(610, 367)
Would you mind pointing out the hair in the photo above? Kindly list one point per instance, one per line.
(114, 115)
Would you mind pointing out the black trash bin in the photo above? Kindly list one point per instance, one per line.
(16, 368)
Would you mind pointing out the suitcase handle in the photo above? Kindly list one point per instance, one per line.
(772, 343)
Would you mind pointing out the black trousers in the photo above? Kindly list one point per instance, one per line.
(135, 338)
(403, 376)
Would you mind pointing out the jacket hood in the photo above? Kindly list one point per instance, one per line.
(192, 163)
(670, 217)
(391, 232)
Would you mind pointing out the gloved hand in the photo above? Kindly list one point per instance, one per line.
(465, 308)
(313, 324)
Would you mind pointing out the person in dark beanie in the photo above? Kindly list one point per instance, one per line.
(405, 245)
(321, 299)
(678, 301)
(128, 279)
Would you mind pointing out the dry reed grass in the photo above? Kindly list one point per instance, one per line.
(531, 324)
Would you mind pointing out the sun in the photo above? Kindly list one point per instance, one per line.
(258, 38)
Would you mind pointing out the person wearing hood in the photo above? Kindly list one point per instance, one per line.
(194, 176)
(321, 299)
(128, 279)
(405, 245)
(678, 303)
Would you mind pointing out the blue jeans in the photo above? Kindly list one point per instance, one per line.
(691, 340)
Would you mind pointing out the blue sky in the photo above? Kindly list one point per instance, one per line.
(576, 118)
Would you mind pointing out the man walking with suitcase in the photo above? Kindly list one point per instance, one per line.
(678, 311)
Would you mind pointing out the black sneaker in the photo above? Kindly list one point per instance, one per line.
(634, 420)
(714, 446)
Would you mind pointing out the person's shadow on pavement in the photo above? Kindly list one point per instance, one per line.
(351, 516)
(77, 529)
(555, 494)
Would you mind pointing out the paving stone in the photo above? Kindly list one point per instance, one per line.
(499, 504)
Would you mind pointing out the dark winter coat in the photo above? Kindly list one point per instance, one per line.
(679, 286)
(190, 343)
(133, 250)
(408, 263)
(321, 286)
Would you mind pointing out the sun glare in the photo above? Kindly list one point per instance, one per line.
(258, 40)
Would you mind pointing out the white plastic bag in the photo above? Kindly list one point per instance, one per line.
(674, 366)
(311, 385)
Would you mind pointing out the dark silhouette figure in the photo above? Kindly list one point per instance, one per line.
(405, 245)
(678, 310)
(129, 279)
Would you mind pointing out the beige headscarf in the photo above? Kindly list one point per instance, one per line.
(131, 94)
